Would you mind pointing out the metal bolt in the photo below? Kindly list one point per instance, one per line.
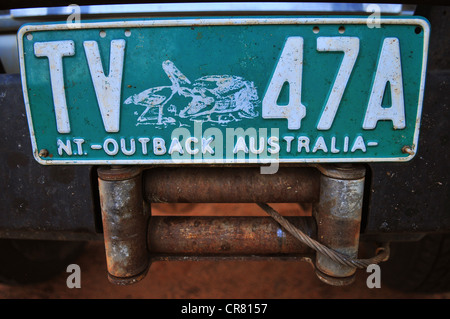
(43, 153)
(407, 149)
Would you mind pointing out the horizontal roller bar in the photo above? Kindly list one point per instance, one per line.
(225, 236)
(231, 185)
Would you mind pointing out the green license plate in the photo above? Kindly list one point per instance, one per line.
(224, 90)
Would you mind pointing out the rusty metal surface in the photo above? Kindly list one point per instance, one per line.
(125, 221)
(301, 257)
(231, 185)
(342, 170)
(118, 173)
(338, 217)
(204, 236)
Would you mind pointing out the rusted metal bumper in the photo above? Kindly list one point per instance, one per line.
(134, 238)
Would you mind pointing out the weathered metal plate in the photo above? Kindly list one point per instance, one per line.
(224, 90)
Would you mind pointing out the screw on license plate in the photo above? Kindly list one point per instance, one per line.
(407, 149)
(43, 153)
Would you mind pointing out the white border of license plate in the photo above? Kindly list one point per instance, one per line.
(217, 22)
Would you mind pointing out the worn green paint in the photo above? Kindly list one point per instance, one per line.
(248, 51)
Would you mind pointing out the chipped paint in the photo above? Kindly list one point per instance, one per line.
(197, 107)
